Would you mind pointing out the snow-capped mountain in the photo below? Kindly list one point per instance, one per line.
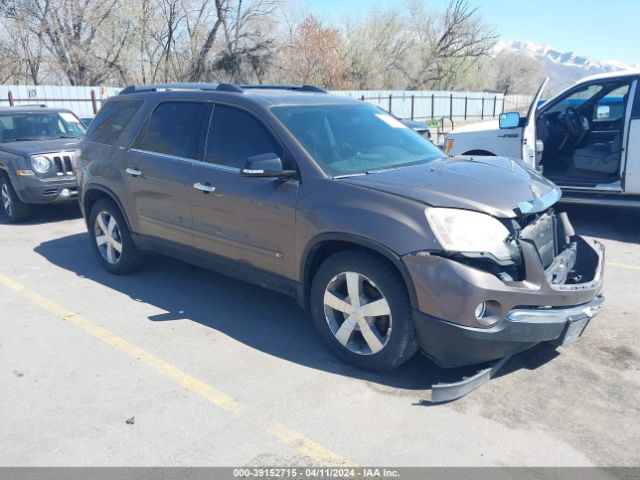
(562, 68)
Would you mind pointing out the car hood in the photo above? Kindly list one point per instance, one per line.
(498, 186)
(24, 149)
(478, 127)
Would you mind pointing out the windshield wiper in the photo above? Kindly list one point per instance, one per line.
(24, 139)
(382, 170)
(347, 175)
(368, 172)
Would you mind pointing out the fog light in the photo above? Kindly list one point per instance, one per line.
(480, 310)
(65, 193)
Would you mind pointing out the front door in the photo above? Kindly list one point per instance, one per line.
(159, 172)
(246, 219)
(632, 163)
(529, 130)
(584, 132)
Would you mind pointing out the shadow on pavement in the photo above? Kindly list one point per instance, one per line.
(42, 214)
(612, 223)
(264, 320)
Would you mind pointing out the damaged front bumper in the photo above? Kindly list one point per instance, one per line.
(521, 313)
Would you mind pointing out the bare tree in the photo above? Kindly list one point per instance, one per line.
(514, 72)
(84, 37)
(249, 45)
(23, 44)
(449, 46)
(315, 55)
(138, 41)
(376, 48)
(199, 63)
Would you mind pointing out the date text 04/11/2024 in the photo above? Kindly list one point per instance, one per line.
(315, 472)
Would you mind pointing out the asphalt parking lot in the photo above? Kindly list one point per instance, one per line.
(212, 371)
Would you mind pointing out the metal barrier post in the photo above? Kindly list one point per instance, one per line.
(482, 111)
(432, 104)
(94, 102)
(390, 96)
(466, 99)
(451, 105)
(495, 101)
(412, 105)
(10, 95)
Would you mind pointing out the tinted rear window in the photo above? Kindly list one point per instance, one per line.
(111, 121)
(173, 129)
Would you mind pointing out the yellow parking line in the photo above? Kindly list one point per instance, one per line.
(281, 432)
(623, 265)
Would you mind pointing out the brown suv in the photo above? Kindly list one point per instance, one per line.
(391, 245)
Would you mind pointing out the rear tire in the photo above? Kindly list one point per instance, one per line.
(111, 239)
(378, 342)
(15, 209)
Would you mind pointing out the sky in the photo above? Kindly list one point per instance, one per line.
(601, 30)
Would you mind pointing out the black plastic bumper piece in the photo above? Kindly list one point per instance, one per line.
(32, 189)
(453, 345)
(446, 392)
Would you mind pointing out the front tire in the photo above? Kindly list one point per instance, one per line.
(15, 209)
(111, 239)
(361, 308)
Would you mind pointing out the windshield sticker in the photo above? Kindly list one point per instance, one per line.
(389, 120)
(68, 117)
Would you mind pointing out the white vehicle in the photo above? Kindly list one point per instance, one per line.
(586, 139)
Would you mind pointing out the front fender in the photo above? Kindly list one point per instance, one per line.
(9, 163)
(388, 224)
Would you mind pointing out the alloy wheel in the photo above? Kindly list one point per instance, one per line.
(6, 200)
(357, 313)
(108, 238)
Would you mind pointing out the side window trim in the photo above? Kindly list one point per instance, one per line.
(160, 154)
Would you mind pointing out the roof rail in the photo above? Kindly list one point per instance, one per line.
(154, 87)
(32, 105)
(296, 88)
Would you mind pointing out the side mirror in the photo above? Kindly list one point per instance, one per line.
(509, 120)
(265, 165)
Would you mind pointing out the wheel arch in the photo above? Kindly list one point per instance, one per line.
(479, 152)
(326, 244)
(93, 193)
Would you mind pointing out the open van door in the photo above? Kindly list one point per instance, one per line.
(529, 129)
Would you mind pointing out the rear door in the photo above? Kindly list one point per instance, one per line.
(159, 171)
(248, 219)
(529, 130)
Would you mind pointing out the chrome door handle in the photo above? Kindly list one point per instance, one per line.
(133, 172)
(204, 187)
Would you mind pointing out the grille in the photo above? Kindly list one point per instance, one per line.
(542, 233)
(63, 164)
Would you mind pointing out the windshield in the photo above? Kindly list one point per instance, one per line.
(355, 139)
(24, 126)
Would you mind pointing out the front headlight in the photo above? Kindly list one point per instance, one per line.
(40, 164)
(465, 231)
